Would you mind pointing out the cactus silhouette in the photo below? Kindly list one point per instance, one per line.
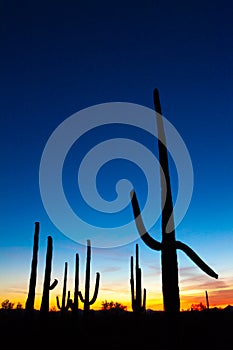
(169, 244)
(44, 308)
(67, 302)
(86, 300)
(136, 295)
(64, 306)
(74, 305)
(32, 284)
(207, 300)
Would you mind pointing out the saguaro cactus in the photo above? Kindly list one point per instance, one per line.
(207, 300)
(32, 284)
(136, 296)
(44, 308)
(64, 306)
(67, 302)
(86, 300)
(169, 245)
(76, 284)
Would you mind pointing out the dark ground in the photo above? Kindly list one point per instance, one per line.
(209, 329)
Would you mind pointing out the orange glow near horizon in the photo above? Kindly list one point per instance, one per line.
(217, 298)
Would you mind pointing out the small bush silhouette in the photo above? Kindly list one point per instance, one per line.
(112, 306)
(6, 304)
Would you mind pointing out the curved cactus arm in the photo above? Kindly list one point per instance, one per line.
(196, 259)
(58, 302)
(81, 296)
(96, 289)
(151, 242)
(53, 285)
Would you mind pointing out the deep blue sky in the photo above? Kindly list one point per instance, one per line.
(58, 57)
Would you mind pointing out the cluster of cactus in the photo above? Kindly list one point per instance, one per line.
(169, 244)
(168, 247)
(67, 302)
(138, 305)
(44, 308)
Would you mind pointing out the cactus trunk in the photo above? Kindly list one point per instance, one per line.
(169, 245)
(63, 306)
(76, 285)
(48, 268)
(87, 281)
(169, 262)
(207, 300)
(32, 284)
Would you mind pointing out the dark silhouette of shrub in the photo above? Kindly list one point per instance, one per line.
(7, 305)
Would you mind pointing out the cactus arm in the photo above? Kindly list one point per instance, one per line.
(58, 302)
(147, 239)
(96, 289)
(155, 245)
(81, 296)
(53, 285)
(196, 259)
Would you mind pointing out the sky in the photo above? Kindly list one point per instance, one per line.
(63, 65)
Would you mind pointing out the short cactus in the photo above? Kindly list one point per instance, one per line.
(136, 297)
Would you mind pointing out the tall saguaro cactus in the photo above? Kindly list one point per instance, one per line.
(169, 244)
(32, 284)
(44, 308)
(86, 300)
(136, 293)
(76, 284)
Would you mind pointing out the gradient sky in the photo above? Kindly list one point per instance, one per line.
(59, 57)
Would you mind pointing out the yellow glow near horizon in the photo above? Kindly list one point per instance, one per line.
(220, 295)
(156, 304)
